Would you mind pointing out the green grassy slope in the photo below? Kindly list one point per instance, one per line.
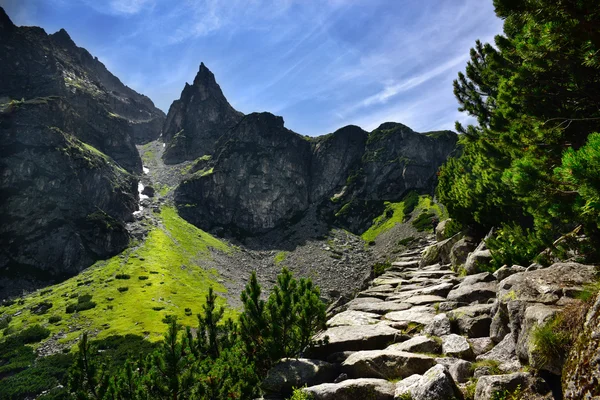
(164, 275)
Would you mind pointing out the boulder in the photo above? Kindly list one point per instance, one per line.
(460, 251)
(352, 389)
(505, 354)
(481, 345)
(506, 271)
(459, 369)
(489, 385)
(472, 321)
(293, 373)
(441, 229)
(387, 364)
(476, 260)
(435, 384)
(553, 287)
(456, 346)
(439, 252)
(439, 326)
(417, 344)
(527, 351)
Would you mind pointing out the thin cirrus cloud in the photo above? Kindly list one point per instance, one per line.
(321, 64)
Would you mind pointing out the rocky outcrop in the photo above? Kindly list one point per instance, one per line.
(259, 180)
(197, 120)
(62, 201)
(69, 130)
(581, 372)
(105, 113)
(264, 175)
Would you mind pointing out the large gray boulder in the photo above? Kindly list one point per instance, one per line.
(294, 373)
(504, 353)
(459, 369)
(439, 252)
(435, 384)
(456, 346)
(417, 314)
(387, 364)
(547, 290)
(472, 321)
(352, 389)
(439, 325)
(418, 344)
(460, 251)
(490, 385)
(479, 292)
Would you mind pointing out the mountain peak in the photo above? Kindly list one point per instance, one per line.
(63, 39)
(5, 23)
(204, 77)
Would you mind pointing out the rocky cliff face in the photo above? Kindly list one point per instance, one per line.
(62, 201)
(198, 119)
(264, 175)
(112, 116)
(69, 129)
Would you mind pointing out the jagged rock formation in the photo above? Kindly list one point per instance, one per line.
(109, 115)
(62, 201)
(197, 120)
(264, 175)
(69, 129)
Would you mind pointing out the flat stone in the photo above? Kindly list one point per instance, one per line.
(456, 346)
(360, 300)
(392, 281)
(417, 344)
(387, 364)
(435, 384)
(352, 389)
(406, 264)
(473, 321)
(353, 317)
(479, 292)
(380, 308)
(419, 314)
(292, 373)
(477, 278)
(352, 338)
(424, 299)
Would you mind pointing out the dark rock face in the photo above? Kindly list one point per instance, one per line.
(61, 202)
(198, 119)
(69, 129)
(112, 117)
(265, 175)
(260, 178)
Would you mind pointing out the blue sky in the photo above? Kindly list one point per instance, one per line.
(321, 64)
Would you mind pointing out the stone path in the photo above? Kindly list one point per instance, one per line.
(418, 332)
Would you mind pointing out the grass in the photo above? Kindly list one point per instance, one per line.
(393, 214)
(279, 257)
(171, 257)
(397, 213)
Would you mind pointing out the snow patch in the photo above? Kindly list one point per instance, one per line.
(146, 169)
(164, 144)
(140, 190)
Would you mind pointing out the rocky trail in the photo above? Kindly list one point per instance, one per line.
(422, 332)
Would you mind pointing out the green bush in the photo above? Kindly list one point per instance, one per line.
(41, 308)
(380, 267)
(54, 319)
(298, 394)
(4, 321)
(123, 289)
(122, 276)
(424, 221)
(142, 278)
(512, 245)
(34, 334)
(83, 303)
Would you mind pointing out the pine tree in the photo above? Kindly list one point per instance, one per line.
(253, 324)
(87, 379)
(208, 326)
(282, 316)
